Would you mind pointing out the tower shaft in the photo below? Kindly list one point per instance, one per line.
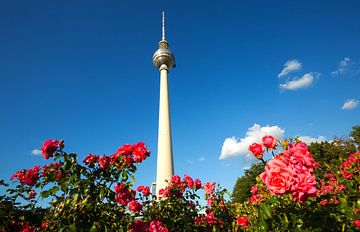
(164, 60)
(165, 164)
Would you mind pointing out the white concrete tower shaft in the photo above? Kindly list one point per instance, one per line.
(164, 60)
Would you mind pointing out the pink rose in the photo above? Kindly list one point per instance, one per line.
(301, 146)
(49, 148)
(269, 141)
(209, 187)
(278, 177)
(257, 150)
(305, 187)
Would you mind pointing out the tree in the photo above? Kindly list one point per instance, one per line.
(355, 136)
(244, 183)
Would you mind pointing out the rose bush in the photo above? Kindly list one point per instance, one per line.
(99, 194)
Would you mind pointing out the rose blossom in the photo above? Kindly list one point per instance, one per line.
(189, 181)
(138, 226)
(135, 206)
(197, 183)
(49, 148)
(209, 187)
(140, 152)
(157, 226)
(357, 224)
(210, 219)
(145, 190)
(243, 221)
(29, 177)
(269, 141)
(90, 158)
(104, 162)
(278, 177)
(257, 150)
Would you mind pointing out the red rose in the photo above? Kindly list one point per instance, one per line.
(145, 190)
(357, 224)
(210, 219)
(138, 226)
(29, 177)
(243, 221)
(49, 147)
(90, 158)
(104, 162)
(269, 141)
(189, 181)
(140, 152)
(198, 221)
(135, 206)
(175, 180)
(257, 150)
(156, 226)
(197, 183)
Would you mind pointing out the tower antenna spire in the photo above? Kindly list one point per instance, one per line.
(163, 25)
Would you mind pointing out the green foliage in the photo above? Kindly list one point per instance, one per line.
(355, 136)
(241, 191)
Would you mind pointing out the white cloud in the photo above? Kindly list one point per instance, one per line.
(290, 66)
(305, 81)
(344, 66)
(234, 147)
(36, 152)
(350, 104)
(308, 139)
(201, 159)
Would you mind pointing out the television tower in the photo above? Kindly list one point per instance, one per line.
(164, 60)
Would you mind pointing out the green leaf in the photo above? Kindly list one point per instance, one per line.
(266, 211)
(93, 228)
(124, 176)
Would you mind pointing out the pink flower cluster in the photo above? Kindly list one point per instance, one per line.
(49, 147)
(292, 172)
(209, 219)
(29, 177)
(332, 188)
(124, 194)
(153, 226)
(351, 166)
(177, 186)
(256, 195)
(123, 158)
(257, 149)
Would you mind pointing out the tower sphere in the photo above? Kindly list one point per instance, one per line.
(163, 55)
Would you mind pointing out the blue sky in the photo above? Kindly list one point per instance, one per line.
(82, 71)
